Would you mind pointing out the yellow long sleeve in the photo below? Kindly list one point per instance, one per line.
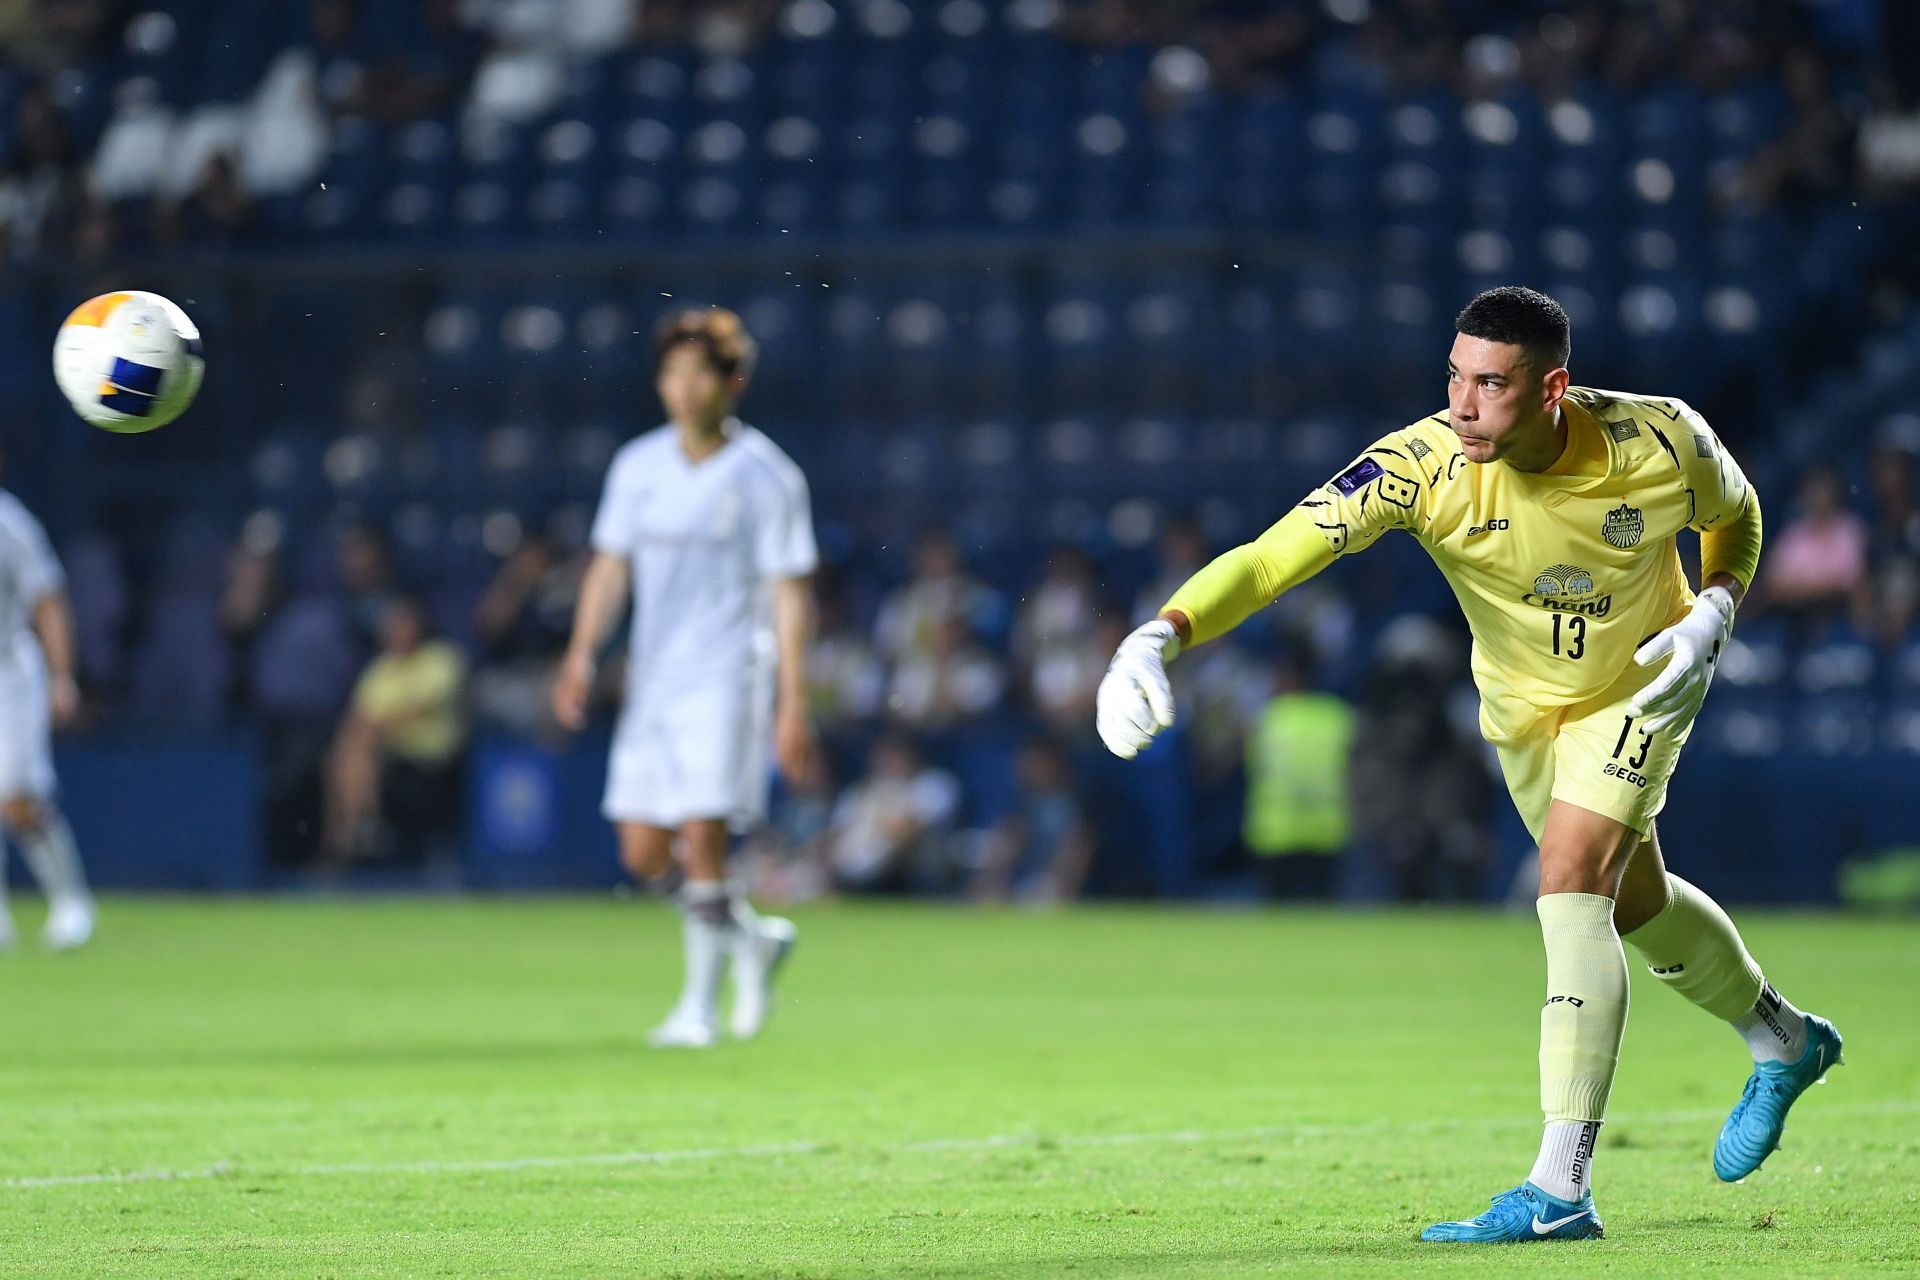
(1235, 585)
(1733, 548)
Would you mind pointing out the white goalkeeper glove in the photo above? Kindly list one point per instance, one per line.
(1135, 701)
(1692, 648)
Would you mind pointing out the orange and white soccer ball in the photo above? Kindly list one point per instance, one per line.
(128, 362)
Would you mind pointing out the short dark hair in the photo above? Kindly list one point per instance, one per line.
(1523, 317)
(715, 330)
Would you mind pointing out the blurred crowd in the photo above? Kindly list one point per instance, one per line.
(91, 162)
(1656, 162)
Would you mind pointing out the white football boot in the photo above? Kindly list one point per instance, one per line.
(685, 1029)
(69, 924)
(758, 954)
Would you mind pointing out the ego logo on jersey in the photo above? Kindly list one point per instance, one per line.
(1567, 588)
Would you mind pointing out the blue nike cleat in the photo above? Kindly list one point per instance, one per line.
(1752, 1132)
(1524, 1213)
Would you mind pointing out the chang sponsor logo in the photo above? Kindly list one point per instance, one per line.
(1567, 588)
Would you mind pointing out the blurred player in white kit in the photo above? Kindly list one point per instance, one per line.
(37, 692)
(706, 523)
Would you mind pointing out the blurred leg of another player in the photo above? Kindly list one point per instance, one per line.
(46, 843)
(28, 814)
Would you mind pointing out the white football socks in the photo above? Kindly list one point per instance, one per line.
(707, 930)
(1774, 1030)
(1564, 1168)
(54, 859)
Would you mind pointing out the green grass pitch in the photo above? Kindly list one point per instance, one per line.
(345, 1088)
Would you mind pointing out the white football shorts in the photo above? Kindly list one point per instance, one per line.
(690, 750)
(26, 738)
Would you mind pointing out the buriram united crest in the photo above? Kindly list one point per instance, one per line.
(1623, 526)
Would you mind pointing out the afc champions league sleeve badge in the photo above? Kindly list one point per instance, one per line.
(1623, 526)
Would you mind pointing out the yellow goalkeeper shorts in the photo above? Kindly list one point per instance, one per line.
(1591, 754)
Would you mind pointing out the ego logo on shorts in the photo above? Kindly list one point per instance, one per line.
(1630, 770)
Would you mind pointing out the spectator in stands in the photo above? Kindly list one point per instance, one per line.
(1058, 642)
(431, 74)
(363, 561)
(1816, 567)
(890, 830)
(1180, 553)
(846, 679)
(339, 59)
(41, 192)
(1064, 677)
(395, 772)
(941, 590)
(251, 593)
(1894, 548)
(1423, 793)
(97, 586)
(1812, 161)
(950, 680)
(1297, 822)
(425, 74)
(521, 624)
(303, 667)
(1889, 147)
(1039, 854)
(219, 210)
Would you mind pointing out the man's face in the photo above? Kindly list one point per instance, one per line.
(1496, 399)
(690, 387)
(402, 629)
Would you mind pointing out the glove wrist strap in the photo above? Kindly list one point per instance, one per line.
(1722, 601)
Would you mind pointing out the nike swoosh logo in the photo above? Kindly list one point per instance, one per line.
(1541, 1228)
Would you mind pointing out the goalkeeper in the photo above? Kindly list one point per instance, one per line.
(1553, 511)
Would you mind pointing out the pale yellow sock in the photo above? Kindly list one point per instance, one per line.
(1586, 1010)
(1694, 948)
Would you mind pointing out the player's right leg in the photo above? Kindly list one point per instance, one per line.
(47, 845)
(1691, 945)
(646, 851)
(1582, 854)
(28, 812)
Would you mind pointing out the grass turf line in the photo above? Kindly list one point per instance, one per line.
(409, 1088)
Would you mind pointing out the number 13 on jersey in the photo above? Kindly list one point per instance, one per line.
(1569, 635)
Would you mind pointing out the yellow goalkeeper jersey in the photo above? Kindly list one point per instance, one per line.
(1562, 574)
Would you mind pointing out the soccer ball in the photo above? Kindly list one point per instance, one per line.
(128, 362)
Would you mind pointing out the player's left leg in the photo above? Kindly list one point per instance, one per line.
(646, 851)
(1582, 856)
(46, 843)
(1691, 945)
(756, 945)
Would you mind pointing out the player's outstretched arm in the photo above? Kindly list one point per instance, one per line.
(1135, 699)
(603, 594)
